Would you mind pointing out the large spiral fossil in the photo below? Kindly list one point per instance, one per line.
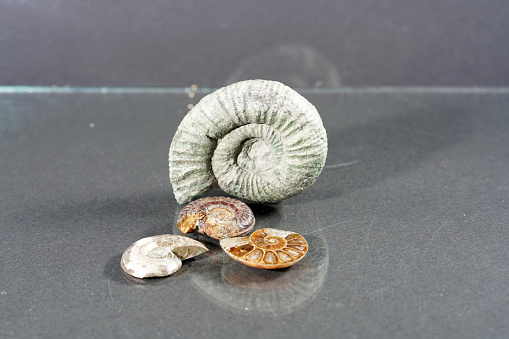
(258, 140)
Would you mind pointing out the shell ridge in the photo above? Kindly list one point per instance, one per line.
(231, 95)
(197, 116)
(201, 116)
(225, 125)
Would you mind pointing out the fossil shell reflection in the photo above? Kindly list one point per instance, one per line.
(160, 255)
(235, 287)
(267, 248)
(258, 140)
(218, 217)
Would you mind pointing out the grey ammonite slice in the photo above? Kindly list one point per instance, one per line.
(258, 140)
(159, 255)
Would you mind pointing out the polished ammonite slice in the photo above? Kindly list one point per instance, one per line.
(267, 248)
(218, 217)
(159, 255)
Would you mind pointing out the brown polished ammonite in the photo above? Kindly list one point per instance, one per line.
(267, 248)
(218, 217)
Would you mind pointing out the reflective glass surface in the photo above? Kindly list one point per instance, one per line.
(407, 225)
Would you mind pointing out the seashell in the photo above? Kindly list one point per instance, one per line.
(160, 255)
(257, 139)
(218, 217)
(267, 248)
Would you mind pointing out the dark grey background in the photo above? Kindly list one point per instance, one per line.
(210, 43)
(407, 224)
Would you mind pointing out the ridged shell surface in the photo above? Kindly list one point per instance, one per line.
(258, 140)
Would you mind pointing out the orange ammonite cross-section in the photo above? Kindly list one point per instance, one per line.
(267, 248)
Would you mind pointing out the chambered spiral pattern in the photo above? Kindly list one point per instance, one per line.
(267, 248)
(258, 140)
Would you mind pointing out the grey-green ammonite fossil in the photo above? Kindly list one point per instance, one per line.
(258, 140)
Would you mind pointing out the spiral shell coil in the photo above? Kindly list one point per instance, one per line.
(258, 140)
(218, 217)
(159, 255)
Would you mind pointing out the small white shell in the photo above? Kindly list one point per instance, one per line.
(160, 255)
(258, 140)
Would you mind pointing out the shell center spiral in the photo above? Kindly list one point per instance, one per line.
(219, 214)
(267, 242)
(256, 155)
(156, 251)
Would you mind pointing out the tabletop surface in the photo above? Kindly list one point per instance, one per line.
(407, 225)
